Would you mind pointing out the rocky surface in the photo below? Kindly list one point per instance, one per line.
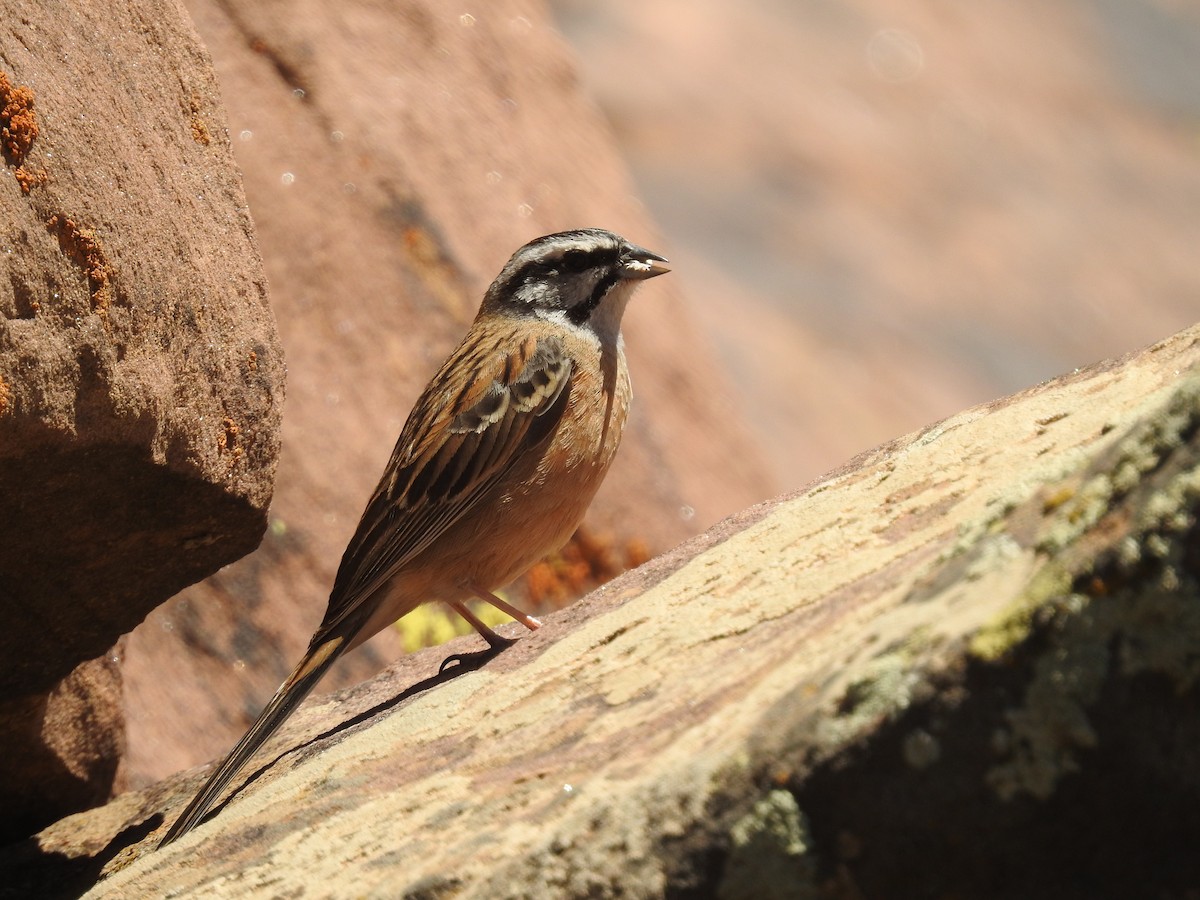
(961, 665)
(394, 156)
(141, 378)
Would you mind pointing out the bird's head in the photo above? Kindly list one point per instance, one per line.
(582, 278)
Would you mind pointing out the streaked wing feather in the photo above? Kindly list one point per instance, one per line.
(447, 458)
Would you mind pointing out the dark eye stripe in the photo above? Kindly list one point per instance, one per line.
(577, 259)
(580, 312)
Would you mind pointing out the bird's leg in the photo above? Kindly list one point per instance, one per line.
(474, 660)
(494, 640)
(507, 608)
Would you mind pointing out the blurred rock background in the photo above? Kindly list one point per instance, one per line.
(884, 212)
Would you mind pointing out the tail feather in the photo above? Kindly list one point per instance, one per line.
(290, 694)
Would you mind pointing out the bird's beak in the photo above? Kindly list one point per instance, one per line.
(639, 263)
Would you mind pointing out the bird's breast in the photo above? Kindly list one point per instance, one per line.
(542, 499)
(543, 508)
(589, 434)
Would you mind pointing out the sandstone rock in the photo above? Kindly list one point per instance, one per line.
(394, 155)
(963, 664)
(141, 379)
(62, 748)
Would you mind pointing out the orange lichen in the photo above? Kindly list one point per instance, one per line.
(252, 362)
(587, 561)
(438, 272)
(29, 179)
(227, 440)
(18, 124)
(84, 249)
(5, 397)
(200, 133)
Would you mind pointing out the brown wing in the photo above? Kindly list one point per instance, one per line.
(450, 452)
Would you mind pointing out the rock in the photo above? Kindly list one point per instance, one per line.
(62, 747)
(966, 659)
(141, 377)
(394, 156)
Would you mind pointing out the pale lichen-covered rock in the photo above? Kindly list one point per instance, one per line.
(962, 665)
(141, 377)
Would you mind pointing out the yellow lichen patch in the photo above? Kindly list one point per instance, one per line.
(1012, 626)
(1057, 498)
(432, 624)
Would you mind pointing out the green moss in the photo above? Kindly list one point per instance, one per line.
(770, 853)
(891, 682)
(1150, 626)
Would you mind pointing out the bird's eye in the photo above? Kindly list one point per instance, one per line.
(576, 260)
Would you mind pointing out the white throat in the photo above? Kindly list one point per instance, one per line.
(604, 324)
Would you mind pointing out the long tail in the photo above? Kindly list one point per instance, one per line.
(290, 694)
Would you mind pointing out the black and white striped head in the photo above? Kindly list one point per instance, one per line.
(583, 278)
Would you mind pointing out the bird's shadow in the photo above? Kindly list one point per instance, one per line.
(452, 667)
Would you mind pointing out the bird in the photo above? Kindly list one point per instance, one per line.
(494, 467)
